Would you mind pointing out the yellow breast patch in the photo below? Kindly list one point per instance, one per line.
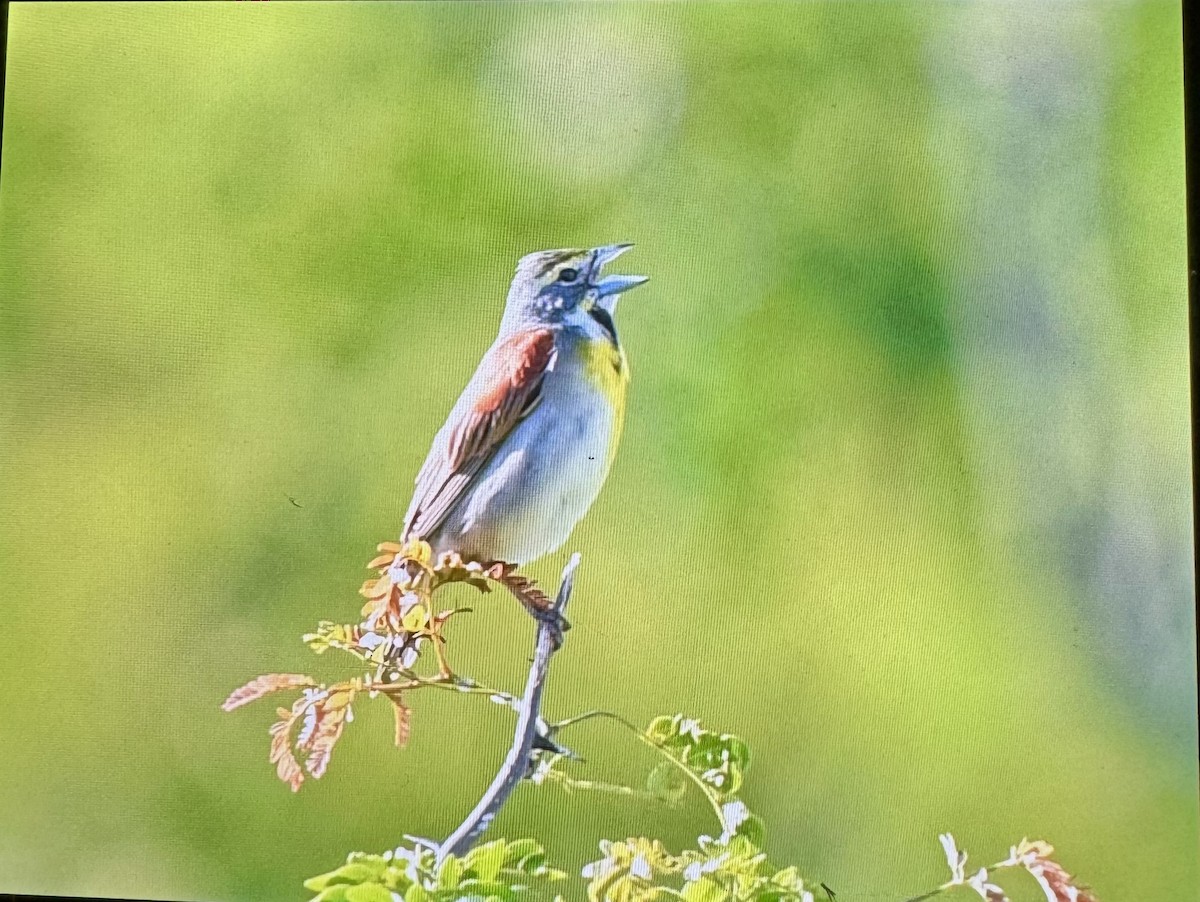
(607, 369)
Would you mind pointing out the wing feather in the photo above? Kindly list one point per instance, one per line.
(510, 380)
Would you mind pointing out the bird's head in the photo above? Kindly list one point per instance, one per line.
(567, 287)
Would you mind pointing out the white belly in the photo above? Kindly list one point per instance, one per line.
(541, 481)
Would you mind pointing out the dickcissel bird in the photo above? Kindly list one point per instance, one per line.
(528, 446)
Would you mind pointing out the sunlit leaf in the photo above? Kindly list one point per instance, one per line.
(368, 892)
(414, 618)
(450, 873)
(417, 893)
(484, 862)
(333, 893)
(489, 889)
(520, 849)
(704, 890)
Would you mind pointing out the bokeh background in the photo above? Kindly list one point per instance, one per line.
(904, 493)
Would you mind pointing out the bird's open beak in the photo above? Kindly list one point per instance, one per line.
(610, 286)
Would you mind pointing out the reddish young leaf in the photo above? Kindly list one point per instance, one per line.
(287, 768)
(403, 721)
(330, 722)
(265, 685)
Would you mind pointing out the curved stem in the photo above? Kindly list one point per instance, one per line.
(570, 784)
(516, 762)
(709, 793)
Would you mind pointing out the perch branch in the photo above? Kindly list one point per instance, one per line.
(517, 761)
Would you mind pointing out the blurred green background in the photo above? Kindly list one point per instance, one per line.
(904, 493)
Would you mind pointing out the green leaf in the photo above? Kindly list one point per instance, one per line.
(318, 883)
(417, 893)
(667, 783)
(484, 862)
(533, 865)
(333, 893)
(368, 892)
(663, 728)
(522, 848)
(705, 890)
(490, 889)
(789, 878)
(754, 829)
(450, 873)
(360, 869)
(720, 760)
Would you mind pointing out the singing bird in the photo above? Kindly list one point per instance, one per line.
(528, 445)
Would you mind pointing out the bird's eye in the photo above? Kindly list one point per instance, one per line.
(568, 275)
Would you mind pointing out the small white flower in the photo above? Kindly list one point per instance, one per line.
(956, 859)
(309, 726)
(412, 860)
(989, 892)
(640, 867)
(601, 868)
(698, 869)
(735, 813)
(370, 641)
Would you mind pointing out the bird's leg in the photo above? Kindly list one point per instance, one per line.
(439, 652)
(533, 599)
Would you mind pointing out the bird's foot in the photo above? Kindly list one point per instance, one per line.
(539, 605)
(555, 622)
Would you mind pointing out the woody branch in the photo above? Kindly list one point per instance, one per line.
(517, 761)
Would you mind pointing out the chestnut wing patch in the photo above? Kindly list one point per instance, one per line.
(517, 369)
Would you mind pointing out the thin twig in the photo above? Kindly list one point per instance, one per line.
(516, 762)
(706, 790)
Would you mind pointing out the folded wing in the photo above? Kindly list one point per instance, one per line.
(513, 372)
